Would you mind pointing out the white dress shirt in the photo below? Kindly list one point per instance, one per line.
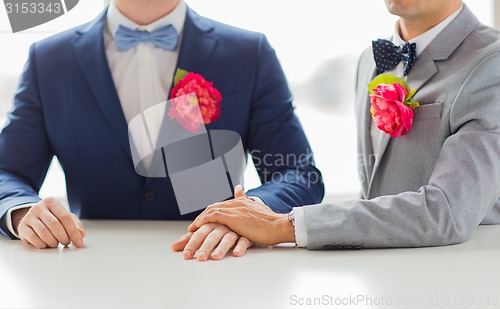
(422, 42)
(142, 75)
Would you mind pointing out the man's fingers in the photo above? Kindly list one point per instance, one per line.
(55, 227)
(82, 232)
(77, 221)
(211, 241)
(227, 242)
(30, 237)
(79, 224)
(196, 240)
(44, 233)
(242, 246)
(238, 191)
(180, 244)
(210, 209)
(216, 216)
(192, 227)
(66, 219)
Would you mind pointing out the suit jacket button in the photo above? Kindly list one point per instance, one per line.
(149, 196)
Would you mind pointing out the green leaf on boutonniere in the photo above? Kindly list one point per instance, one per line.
(412, 105)
(387, 79)
(410, 94)
(179, 74)
(408, 101)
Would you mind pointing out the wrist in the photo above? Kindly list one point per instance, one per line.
(285, 230)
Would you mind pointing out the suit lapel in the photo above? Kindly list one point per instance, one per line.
(423, 70)
(89, 49)
(365, 121)
(441, 48)
(197, 47)
(198, 44)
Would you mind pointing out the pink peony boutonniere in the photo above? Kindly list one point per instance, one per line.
(192, 112)
(391, 106)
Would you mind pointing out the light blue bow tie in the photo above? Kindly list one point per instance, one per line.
(164, 37)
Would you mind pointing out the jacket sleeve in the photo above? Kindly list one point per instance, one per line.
(277, 143)
(463, 188)
(25, 152)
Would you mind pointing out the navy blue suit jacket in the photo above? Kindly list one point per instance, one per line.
(66, 105)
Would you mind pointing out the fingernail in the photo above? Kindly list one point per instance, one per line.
(237, 250)
(188, 254)
(216, 253)
(79, 243)
(202, 255)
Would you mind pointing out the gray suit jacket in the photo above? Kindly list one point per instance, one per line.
(435, 185)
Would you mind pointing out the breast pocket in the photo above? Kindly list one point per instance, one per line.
(428, 111)
(427, 134)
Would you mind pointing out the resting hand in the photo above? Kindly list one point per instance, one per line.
(212, 240)
(248, 218)
(48, 223)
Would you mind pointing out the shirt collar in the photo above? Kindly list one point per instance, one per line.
(176, 18)
(426, 38)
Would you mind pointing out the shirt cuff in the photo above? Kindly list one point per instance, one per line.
(8, 217)
(301, 238)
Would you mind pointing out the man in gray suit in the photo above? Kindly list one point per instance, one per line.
(430, 187)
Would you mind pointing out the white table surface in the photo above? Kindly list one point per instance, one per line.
(129, 264)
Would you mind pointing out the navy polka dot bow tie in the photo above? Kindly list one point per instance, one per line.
(387, 55)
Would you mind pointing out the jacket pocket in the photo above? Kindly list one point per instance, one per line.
(428, 111)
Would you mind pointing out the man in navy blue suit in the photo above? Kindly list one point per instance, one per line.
(81, 87)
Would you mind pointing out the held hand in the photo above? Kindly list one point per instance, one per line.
(212, 240)
(248, 218)
(239, 197)
(47, 224)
